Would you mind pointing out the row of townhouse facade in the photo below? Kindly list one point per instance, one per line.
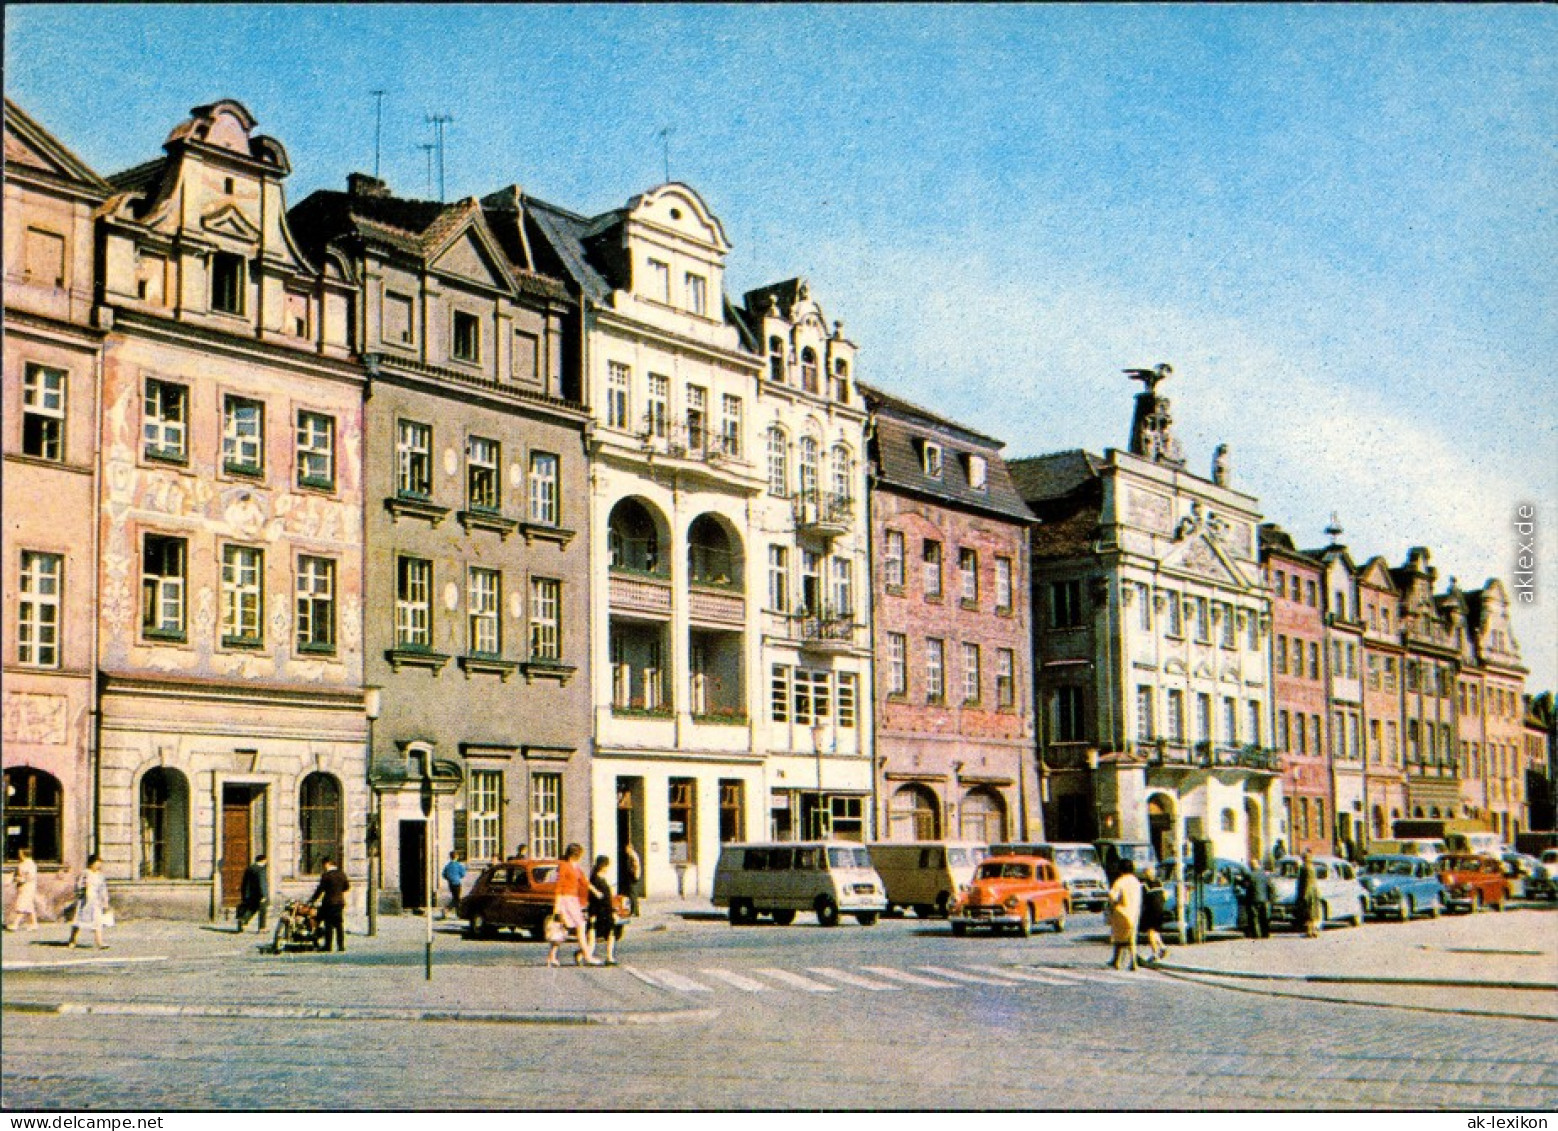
(377, 528)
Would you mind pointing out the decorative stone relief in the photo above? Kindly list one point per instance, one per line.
(35, 718)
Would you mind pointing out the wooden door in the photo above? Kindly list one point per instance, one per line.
(237, 838)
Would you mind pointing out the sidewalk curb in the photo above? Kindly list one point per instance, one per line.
(355, 1013)
(1358, 979)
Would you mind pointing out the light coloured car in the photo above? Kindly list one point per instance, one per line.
(1342, 897)
(781, 878)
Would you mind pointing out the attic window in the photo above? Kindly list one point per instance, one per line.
(976, 472)
(467, 337)
(930, 458)
(659, 282)
(776, 360)
(227, 284)
(227, 185)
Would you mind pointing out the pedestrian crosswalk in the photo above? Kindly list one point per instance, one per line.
(882, 979)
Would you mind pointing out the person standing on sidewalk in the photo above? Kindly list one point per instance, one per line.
(454, 876)
(92, 910)
(26, 905)
(1260, 903)
(602, 910)
(1306, 900)
(573, 892)
(254, 893)
(1154, 909)
(331, 897)
(632, 876)
(1124, 913)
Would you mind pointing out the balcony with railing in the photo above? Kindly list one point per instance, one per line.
(823, 514)
(824, 632)
(1210, 755)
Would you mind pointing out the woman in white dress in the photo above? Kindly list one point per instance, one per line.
(91, 903)
(26, 904)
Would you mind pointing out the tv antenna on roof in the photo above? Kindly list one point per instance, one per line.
(438, 122)
(378, 127)
(427, 147)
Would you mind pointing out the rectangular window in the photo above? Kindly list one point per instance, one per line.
(1252, 734)
(779, 579)
(396, 324)
(163, 565)
(697, 418)
(243, 436)
(1065, 604)
(697, 293)
(681, 819)
(1230, 626)
(227, 282)
(1003, 585)
(1176, 716)
(659, 411)
(935, 671)
(1144, 607)
(43, 412)
(546, 816)
(779, 693)
(893, 560)
(897, 664)
(659, 282)
(483, 458)
(1284, 730)
(1315, 733)
(243, 581)
(1203, 718)
(813, 695)
(1005, 678)
(1176, 611)
(414, 448)
(316, 451)
(1314, 660)
(483, 601)
(843, 589)
(1070, 717)
(971, 680)
(165, 420)
(1282, 655)
(315, 604)
(932, 566)
(44, 257)
(619, 383)
(1311, 595)
(1252, 636)
(847, 697)
(968, 573)
(730, 426)
(484, 815)
(543, 488)
(1230, 720)
(1145, 723)
(732, 811)
(1352, 661)
(466, 344)
(38, 610)
(546, 641)
(778, 464)
(414, 603)
(1203, 621)
(930, 459)
(978, 472)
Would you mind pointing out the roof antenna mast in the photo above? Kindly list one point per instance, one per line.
(378, 127)
(427, 147)
(439, 121)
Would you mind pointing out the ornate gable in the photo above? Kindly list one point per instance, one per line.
(470, 254)
(228, 221)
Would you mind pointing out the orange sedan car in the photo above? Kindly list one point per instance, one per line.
(1012, 893)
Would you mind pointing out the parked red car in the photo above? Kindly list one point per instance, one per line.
(1472, 882)
(517, 895)
(1012, 893)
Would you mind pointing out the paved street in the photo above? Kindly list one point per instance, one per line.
(702, 1015)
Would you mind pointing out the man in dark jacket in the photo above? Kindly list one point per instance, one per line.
(254, 893)
(331, 897)
(1260, 903)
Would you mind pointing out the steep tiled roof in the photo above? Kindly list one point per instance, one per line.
(565, 233)
(1055, 475)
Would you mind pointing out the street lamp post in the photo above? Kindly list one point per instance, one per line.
(816, 749)
(372, 703)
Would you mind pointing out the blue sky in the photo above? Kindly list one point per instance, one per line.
(1337, 223)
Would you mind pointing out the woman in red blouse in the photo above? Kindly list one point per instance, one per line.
(573, 890)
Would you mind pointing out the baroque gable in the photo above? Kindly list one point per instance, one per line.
(470, 256)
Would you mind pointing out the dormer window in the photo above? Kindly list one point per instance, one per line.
(659, 282)
(467, 337)
(227, 282)
(697, 294)
(809, 370)
(977, 472)
(840, 381)
(776, 360)
(930, 458)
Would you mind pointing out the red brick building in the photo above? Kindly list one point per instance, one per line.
(952, 635)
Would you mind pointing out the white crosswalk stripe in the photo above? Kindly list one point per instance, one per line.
(795, 980)
(1021, 975)
(668, 980)
(647, 979)
(740, 981)
(959, 976)
(850, 979)
(909, 979)
(1064, 977)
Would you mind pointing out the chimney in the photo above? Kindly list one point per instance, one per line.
(361, 184)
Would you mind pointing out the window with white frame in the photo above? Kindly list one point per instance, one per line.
(843, 588)
(1176, 716)
(227, 282)
(730, 426)
(43, 412)
(779, 693)
(483, 458)
(1176, 624)
(1003, 585)
(1230, 720)
(811, 581)
(165, 420)
(39, 586)
(414, 451)
(779, 579)
(546, 815)
(811, 695)
(543, 488)
(243, 436)
(808, 468)
(846, 687)
(697, 418)
(978, 472)
(1005, 677)
(897, 664)
(658, 283)
(315, 604)
(466, 342)
(697, 293)
(658, 413)
(968, 573)
(1230, 626)
(1146, 725)
(931, 555)
(809, 381)
(484, 815)
(413, 603)
(1144, 607)
(1252, 632)
(930, 459)
(483, 601)
(843, 467)
(778, 463)
(1252, 733)
(164, 562)
(1203, 621)
(776, 354)
(316, 451)
(243, 577)
(892, 557)
(935, 670)
(971, 680)
(546, 642)
(1203, 717)
(619, 384)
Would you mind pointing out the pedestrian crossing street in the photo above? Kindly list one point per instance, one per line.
(881, 979)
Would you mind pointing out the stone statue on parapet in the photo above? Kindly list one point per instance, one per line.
(1152, 435)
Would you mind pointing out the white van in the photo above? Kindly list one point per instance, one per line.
(926, 875)
(825, 877)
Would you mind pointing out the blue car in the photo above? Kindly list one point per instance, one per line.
(1217, 908)
(1400, 887)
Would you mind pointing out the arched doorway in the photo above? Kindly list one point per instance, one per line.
(164, 824)
(1160, 824)
(982, 815)
(915, 814)
(1254, 830)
